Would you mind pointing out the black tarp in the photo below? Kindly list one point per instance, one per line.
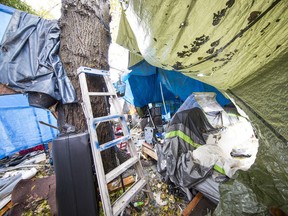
(184, 134)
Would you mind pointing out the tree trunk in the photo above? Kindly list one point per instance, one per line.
(85, 39)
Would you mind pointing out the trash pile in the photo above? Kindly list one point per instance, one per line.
(16, 172)
(202, 146)
(167, 200)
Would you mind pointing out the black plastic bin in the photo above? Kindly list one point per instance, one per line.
(75, 183)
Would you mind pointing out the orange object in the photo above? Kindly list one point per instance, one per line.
(191, 206)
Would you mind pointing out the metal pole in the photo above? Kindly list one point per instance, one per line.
(163, 99)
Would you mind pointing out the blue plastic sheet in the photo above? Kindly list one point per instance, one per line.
(142, 90)
(143, 85)
(5, 15)
(19, 125)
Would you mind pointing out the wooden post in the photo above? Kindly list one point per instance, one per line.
(191, 206)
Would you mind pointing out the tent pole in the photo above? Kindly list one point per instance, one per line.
(151, 118)
(163, 100)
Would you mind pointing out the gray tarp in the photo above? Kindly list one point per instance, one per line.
(29, 58)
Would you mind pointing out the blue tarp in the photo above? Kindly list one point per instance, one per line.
(5, 15)
(19, 125)
(143, 85)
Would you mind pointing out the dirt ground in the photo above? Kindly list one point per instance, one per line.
(165, 202)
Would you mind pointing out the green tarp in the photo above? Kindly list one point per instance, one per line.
(240, 47)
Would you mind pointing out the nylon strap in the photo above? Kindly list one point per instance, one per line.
(219, 169)
(182, 136)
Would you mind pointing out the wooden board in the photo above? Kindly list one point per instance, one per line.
(190, 207)
(5, 208)
(127, 182)
(148, 149)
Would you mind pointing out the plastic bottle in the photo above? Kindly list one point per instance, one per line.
(137, 204)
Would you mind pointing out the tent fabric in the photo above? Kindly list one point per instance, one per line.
(195, 121)
(215, 114)
(240, 47)
(19, 125)
(175, 161)
(143, 85)
(147, 92)
(265, 184)
(29, 57)
(177, 35)
(128, 39)
(227, 150)
(134, 59)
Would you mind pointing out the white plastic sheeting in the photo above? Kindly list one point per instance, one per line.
(239, 139)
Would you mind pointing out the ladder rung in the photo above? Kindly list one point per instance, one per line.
(106, 118)
(92, 71)
(121, 168)
(121, 203)
(101, 93)
(114, 142)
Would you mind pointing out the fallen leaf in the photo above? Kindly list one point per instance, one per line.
(32, 188)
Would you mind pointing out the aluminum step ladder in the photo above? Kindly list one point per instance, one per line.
(103, 179)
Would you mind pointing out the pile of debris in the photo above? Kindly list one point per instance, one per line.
(28, 188)
(25, 183)
(204, 146)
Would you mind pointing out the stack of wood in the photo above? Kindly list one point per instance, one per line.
(148, 150)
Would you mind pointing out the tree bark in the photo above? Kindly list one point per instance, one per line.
(85, 40)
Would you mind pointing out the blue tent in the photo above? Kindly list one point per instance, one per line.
(143, 85)
(19, 125)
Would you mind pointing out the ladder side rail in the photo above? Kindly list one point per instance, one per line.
(121, 203)
(109, 85)
(114, 99)
(133, 152)
(92, 71)
(95, 153)
(139, 169)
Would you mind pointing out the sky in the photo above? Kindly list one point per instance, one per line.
(118, 56)
(53, 6)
